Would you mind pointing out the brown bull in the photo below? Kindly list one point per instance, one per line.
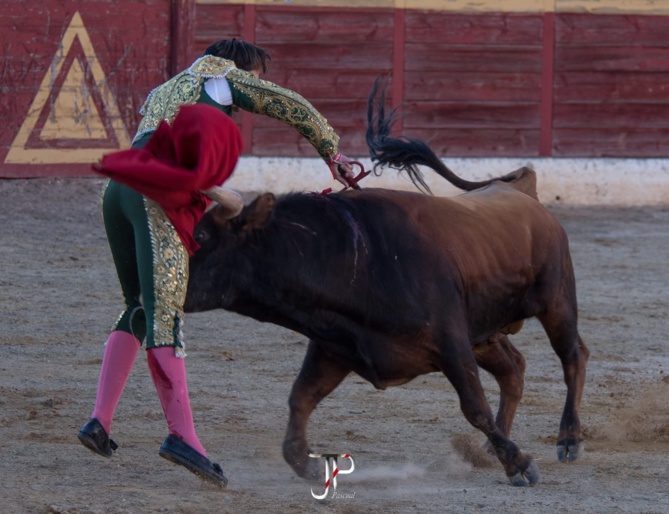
(392, 285)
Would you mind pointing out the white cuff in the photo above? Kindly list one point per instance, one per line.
(219, 90)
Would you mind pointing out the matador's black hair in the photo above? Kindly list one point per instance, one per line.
(245, 55)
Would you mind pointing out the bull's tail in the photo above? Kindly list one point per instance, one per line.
(406, 154)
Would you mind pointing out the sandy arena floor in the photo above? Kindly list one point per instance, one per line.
(414, 451)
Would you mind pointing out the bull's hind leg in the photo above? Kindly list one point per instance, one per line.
(501, 359)
(560, 325)
(460, 367)
(319, 376)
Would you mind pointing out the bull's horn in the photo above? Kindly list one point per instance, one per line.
(230, 200)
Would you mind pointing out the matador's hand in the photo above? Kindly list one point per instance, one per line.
(342, 170)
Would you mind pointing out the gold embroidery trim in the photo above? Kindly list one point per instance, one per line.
(263, 97)
(170, 279)
(163, 102)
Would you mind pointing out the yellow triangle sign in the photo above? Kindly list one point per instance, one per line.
(73, 115)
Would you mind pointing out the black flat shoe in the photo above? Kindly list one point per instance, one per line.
(177, 451)
(94, 437)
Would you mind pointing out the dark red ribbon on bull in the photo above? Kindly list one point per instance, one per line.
(351, 182)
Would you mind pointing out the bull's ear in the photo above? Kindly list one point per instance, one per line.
(259, 212)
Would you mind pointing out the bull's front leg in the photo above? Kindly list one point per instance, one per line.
(319, 376)
(501, 359)
(460, 367)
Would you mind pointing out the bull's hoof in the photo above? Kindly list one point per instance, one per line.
(298, 459)
(569, 451)
(311, 471)
(530, 476)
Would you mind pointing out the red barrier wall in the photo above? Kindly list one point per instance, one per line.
(475, 84)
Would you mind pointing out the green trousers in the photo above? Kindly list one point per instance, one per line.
(151, 264)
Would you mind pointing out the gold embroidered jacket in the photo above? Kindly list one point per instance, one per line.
(249, 93)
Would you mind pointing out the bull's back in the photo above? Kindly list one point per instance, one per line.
(490, 222)
(501, 231)
(404, 259)
(492, 244)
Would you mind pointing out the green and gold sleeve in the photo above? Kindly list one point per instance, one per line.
(249, 93)
(263, 97)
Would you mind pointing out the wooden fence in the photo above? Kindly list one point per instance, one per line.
(503, 79)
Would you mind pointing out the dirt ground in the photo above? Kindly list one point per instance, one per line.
(413, 450)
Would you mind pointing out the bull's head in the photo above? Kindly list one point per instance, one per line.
(221, 264)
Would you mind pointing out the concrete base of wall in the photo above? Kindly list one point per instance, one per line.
(614, 182)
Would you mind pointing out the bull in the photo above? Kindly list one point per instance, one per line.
(391, 285)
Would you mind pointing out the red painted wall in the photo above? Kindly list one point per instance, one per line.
(611, 90)
(130, 39)
(473, 84)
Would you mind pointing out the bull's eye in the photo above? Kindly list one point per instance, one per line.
(201, 236)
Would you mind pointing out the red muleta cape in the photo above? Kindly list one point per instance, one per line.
(198, 151)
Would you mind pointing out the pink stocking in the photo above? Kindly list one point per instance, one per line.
(169, 376)
(117, 361)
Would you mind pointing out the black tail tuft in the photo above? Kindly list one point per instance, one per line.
(406, 154)
(389, 151)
